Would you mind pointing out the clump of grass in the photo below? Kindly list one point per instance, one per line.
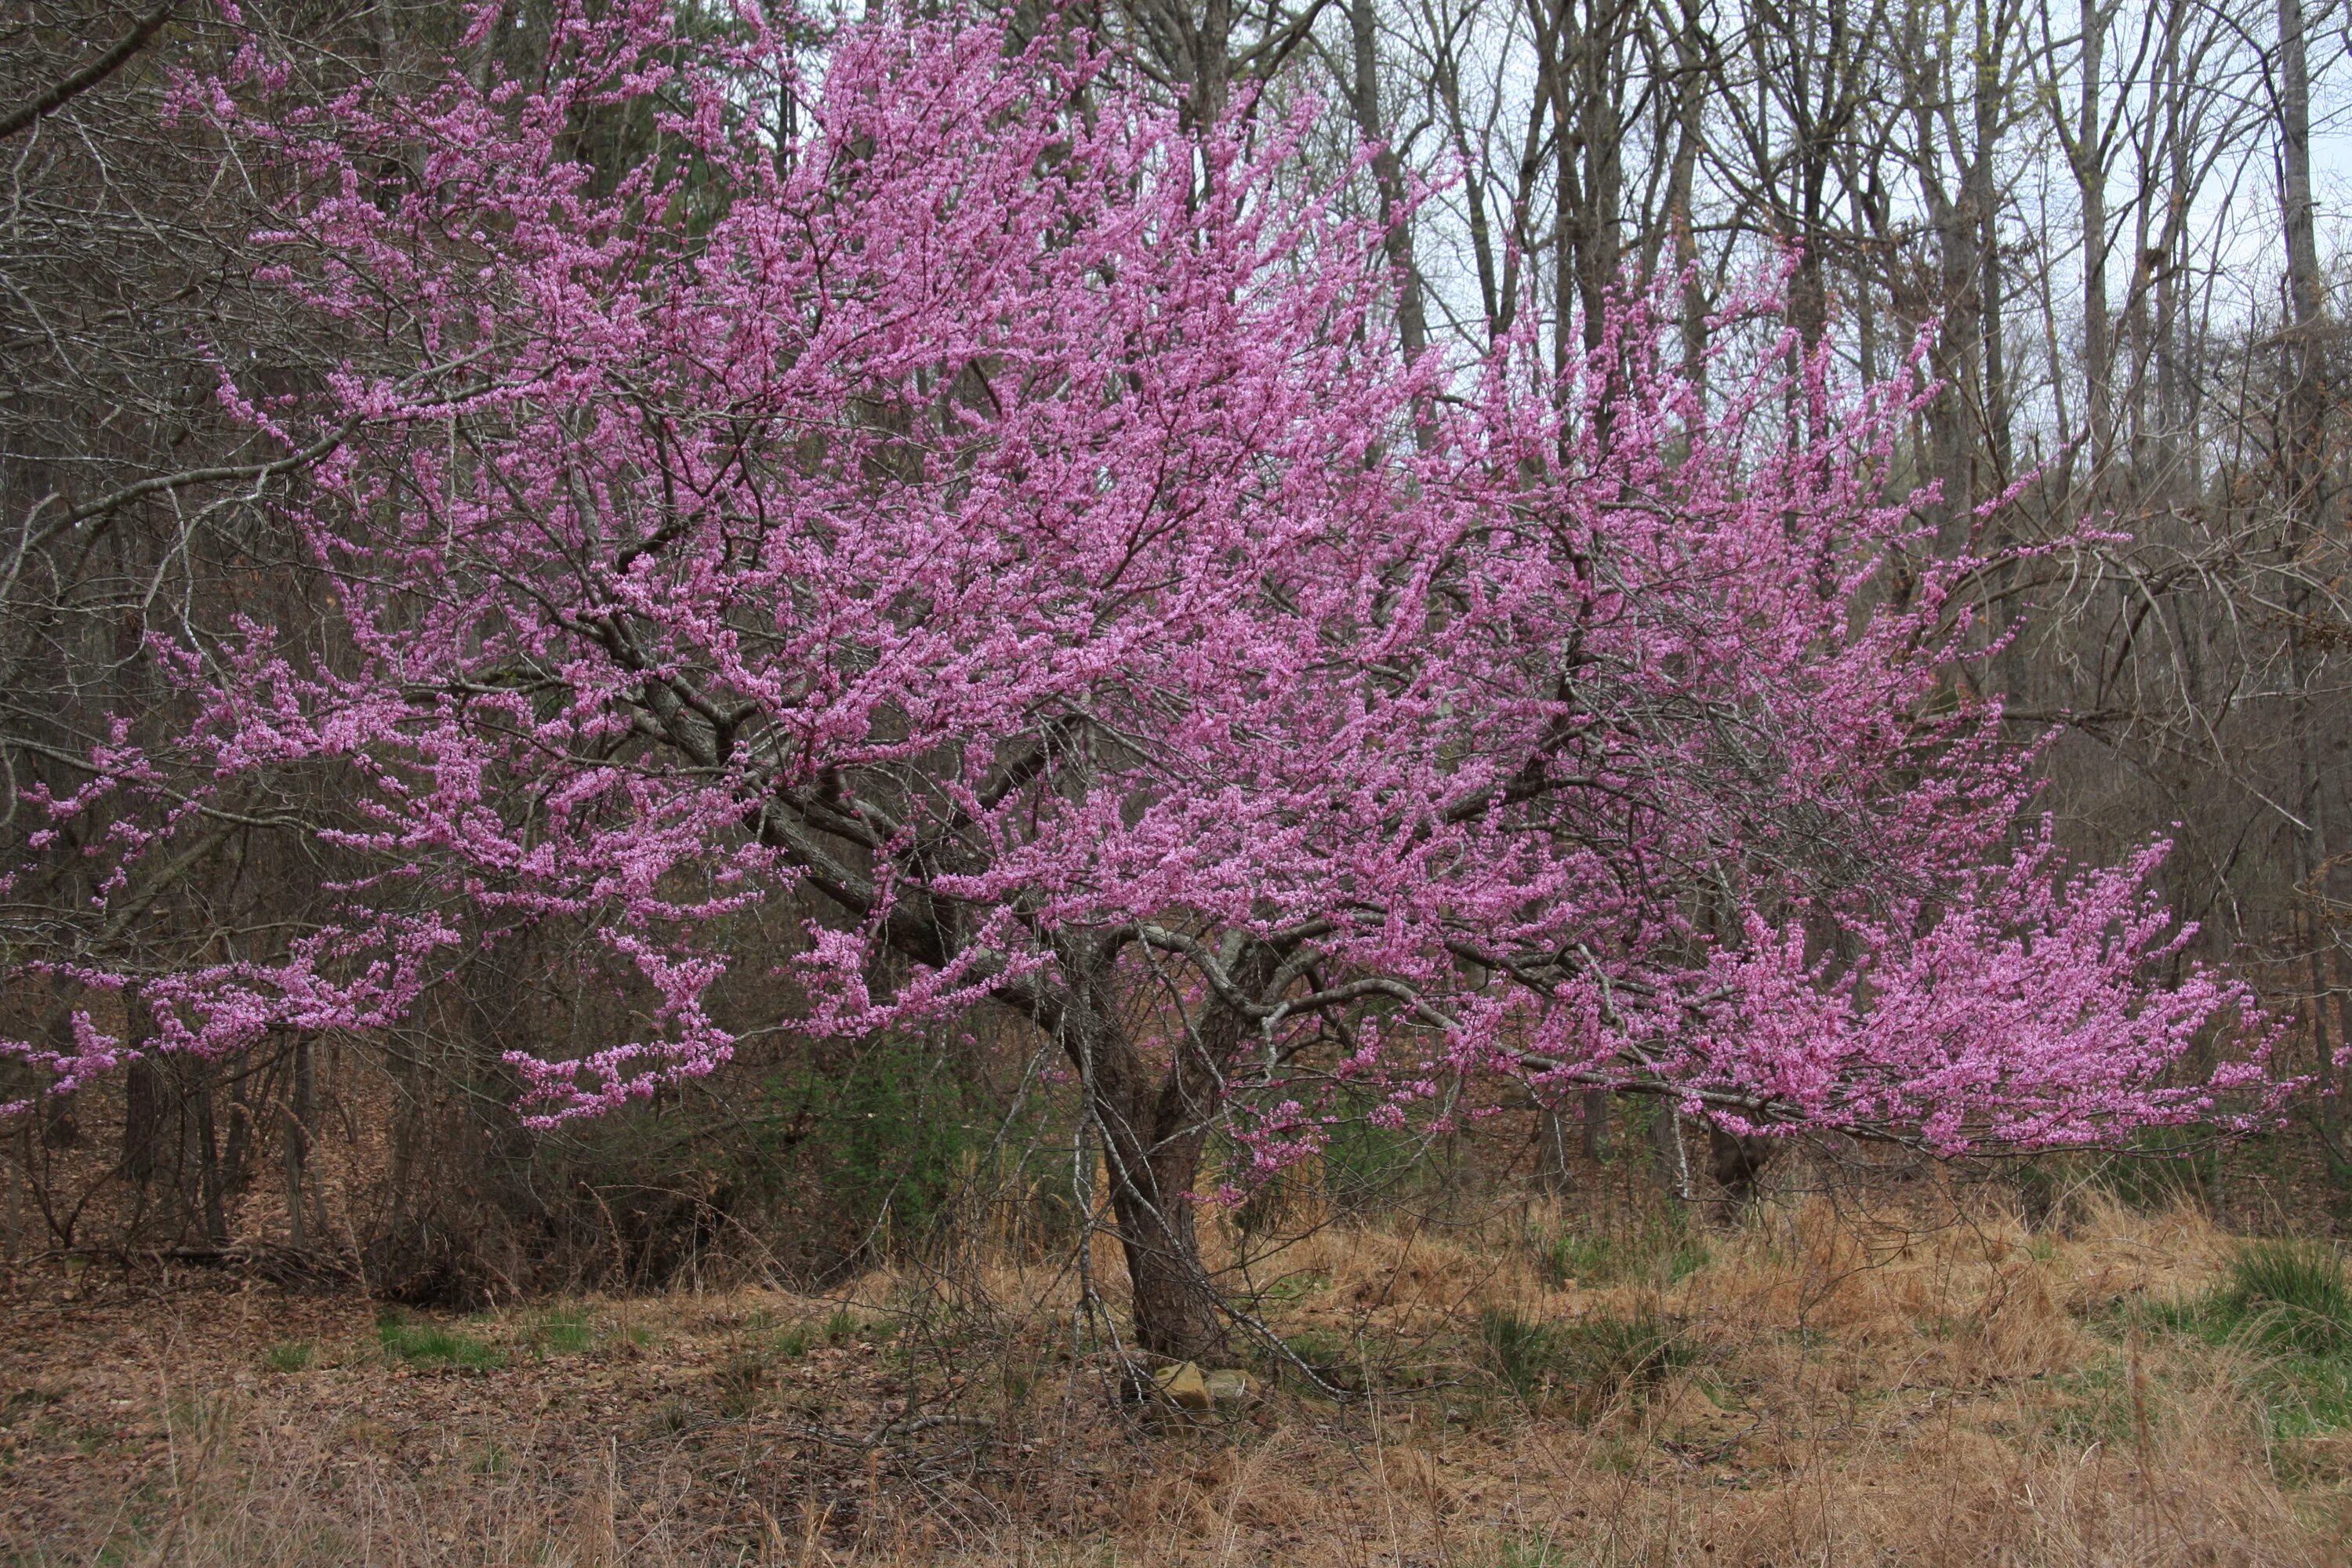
(2291, 1302)
(2096, 1403)
(1520, 1349)
(741, 1379)
(2292, 1295)
(564, 1332)
(842, 1326)
(1664, 1253)
(290, 1356)
(794, 1342)
(1527, 1551)
(431, 1346)
(1316, 1356)
(1591, 1361)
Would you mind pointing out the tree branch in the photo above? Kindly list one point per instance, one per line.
(90, 75)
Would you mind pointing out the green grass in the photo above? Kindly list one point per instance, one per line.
(431, 1346)
(741, 1378)
(1589, 1362)
(2098, 1406)
(290, 1356)
(1327, 1355)
(1667, 1254)
(2289, 1303)
(563, 1331)
(2293, 1295)
(1528, 1551)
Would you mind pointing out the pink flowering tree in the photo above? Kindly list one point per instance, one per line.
(937, 490)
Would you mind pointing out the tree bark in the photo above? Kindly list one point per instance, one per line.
(1388, 176)
(1737, 1162)
(2304, 483)
(209, 1179)
(1151, 1182)
(1596, 1125)
(142, 1101)
(1154, 1124)
(301, 1118)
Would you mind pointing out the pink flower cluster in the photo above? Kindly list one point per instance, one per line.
(977, 508)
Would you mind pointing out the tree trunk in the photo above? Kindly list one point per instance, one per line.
(2304, 483)
(1389, 178)
(1737, 1161)
(1150, 1175)
(1596, 1125)
(209, 1181)
(1154, 1126)
(301, 1118)
(1152, 1168)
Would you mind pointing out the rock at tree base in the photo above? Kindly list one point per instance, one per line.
(1183, 1386)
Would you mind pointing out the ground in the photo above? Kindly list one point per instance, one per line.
(1814, 1384)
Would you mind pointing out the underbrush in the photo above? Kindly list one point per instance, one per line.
(1812, 1385)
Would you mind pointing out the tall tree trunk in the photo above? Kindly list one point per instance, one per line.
(2306, 486)
(301, 1122)
(2303, 299)
(1388, 176)
(209, 1178)
(2086, 152)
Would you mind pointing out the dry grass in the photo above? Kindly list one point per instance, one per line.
(1821, 1387)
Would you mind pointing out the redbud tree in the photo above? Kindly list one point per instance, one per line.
(937, 491)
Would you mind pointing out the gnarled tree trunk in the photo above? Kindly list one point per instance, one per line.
(1154, 1122)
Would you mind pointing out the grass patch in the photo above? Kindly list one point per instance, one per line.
(2292, 1295)
(1588, 1363)
(2290, 1303)
(2096, 1405)
(1528, 1551)
(564, 1332)
(425, 1344)
(290, 1356)
(1665, 1253)
(741, 1378)
(1329, 1357)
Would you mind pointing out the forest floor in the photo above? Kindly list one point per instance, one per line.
(1816, 1387)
